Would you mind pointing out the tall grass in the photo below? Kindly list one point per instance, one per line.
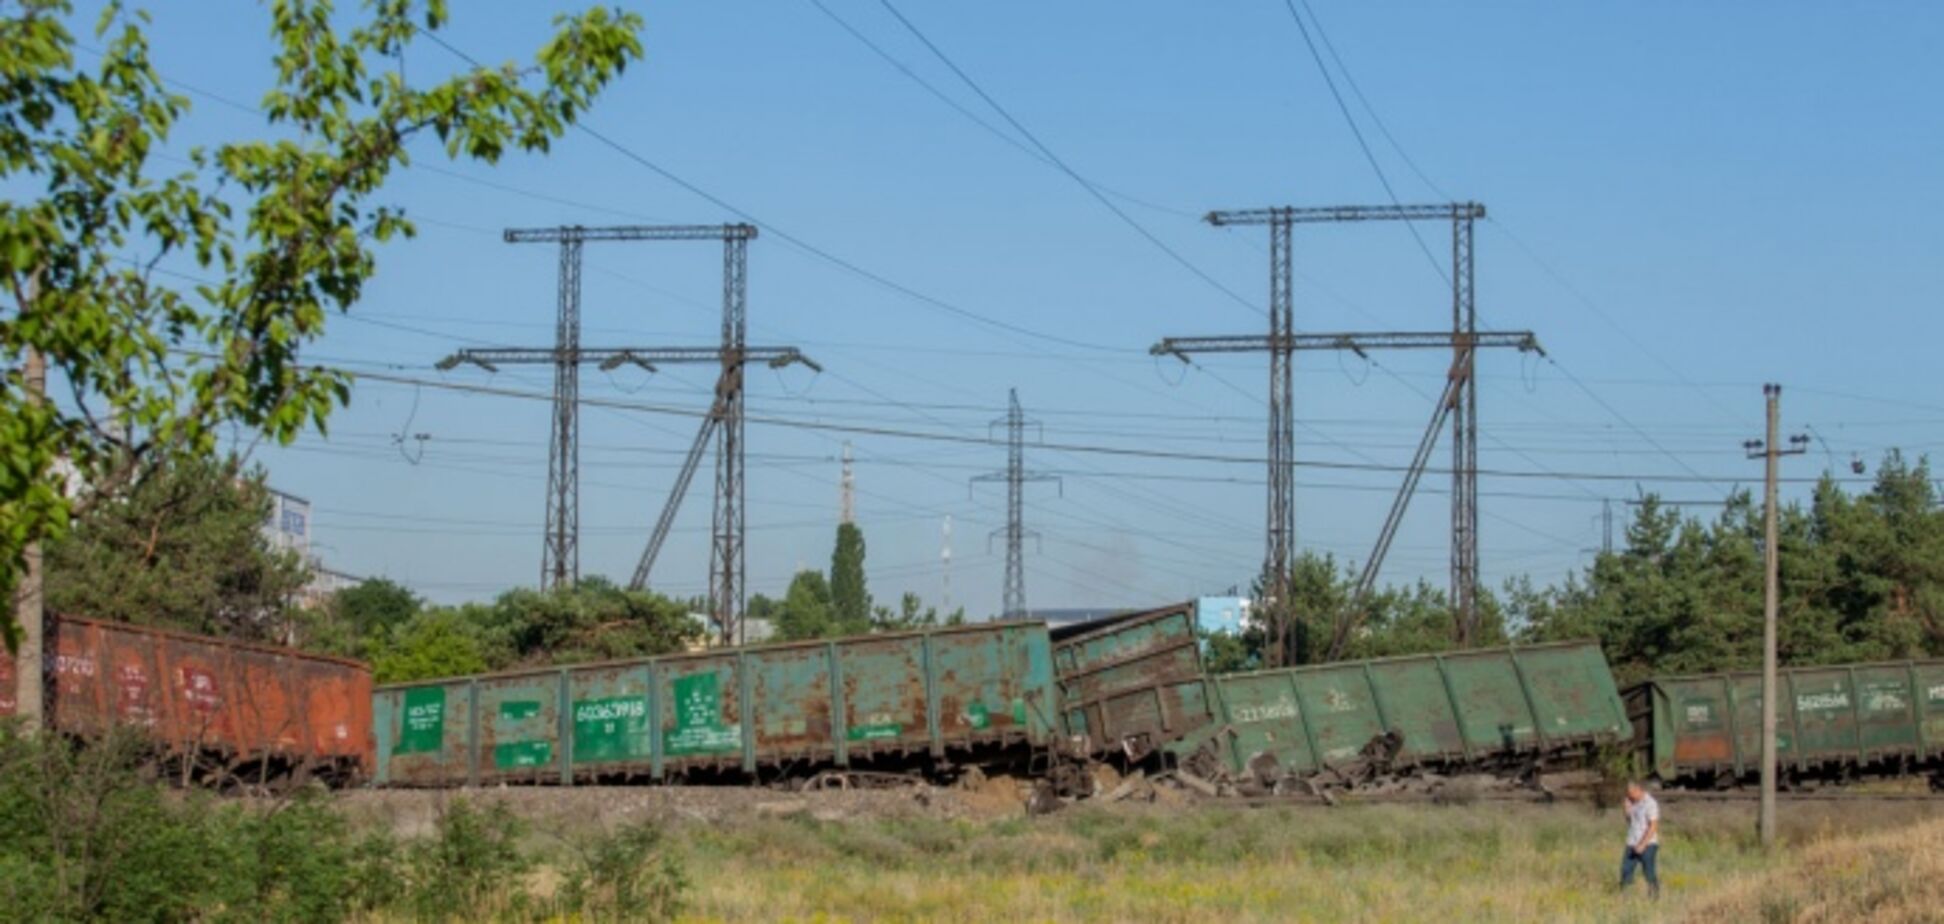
(1890, 877)
(1485, 862)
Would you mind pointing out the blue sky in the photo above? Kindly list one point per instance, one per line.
(1686, 200)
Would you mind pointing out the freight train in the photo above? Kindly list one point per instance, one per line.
(213, 711)
(1017, 697)
(1834, 724)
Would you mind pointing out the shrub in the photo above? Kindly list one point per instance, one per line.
(624, 875)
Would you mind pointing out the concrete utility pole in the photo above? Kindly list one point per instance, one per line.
(30, 682)
(1771, 452)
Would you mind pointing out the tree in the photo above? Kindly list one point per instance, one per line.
(182, 548)
(806, 610)
(356, 620)
(375, 605)
(850, 602)
(592, 620)
(912, 613)
(434, 643)
(284, 227)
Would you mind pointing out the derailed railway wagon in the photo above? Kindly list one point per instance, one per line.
(979, 695)
(1131, 684)
(215, 711)
(1833, 724)
(1508, 711)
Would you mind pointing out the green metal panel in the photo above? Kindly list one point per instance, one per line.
(1572, 693)
(1263, 714)
(1930, 701)
(425, 740)
(1418, 707)
(990, 684)
(1746, 690)
(1825, 713)
(519, 727)
(610, 717)
(790, 700)
(1700, 720)
(1448, 708)
(1492, 709)
(884, 694)
(1886, 709)
(1861, 712)
(1132, 679)
(700, 703)
(1342, 713)
(838, 733)
(776, 705)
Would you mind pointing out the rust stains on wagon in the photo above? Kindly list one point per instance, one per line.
(909, 701)
(219, 710)
(1132, 683)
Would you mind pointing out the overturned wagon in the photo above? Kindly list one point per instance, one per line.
(924, 701)
(1833, 724)
(1132, 683)
(215, 710)
(1512, 710)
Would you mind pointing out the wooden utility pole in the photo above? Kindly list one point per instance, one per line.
(1771, 451)
(30, 702)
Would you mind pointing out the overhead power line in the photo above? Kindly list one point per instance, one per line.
(1055, 159)
(1126, 451)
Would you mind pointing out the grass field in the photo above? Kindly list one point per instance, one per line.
(754, 855)
(1447, 864)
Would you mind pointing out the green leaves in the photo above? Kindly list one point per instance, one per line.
(285, 225)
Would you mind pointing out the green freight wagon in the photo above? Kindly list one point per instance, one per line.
(1834, 723)
(1131, 684)
(894, 701)
(1478, 709)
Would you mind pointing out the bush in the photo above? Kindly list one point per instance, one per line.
(88, 834)
(624, 875)
(471, 865)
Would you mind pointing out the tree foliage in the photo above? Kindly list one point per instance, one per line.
(182, 548)
(850, 600)
(594, 620)
(1862, 579)
(806, 610)
(285, 226)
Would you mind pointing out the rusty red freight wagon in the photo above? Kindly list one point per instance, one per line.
(216, 710)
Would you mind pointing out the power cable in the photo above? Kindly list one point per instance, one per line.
(1069, 171)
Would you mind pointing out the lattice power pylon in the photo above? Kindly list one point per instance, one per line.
(1015, 532)
(1460, 405)
(560, 565)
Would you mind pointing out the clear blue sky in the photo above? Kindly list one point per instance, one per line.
(1686, 200)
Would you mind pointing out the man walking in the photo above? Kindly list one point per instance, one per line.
(1643, 839)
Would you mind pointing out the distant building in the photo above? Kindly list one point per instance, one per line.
(287, 528)
(1221, 614)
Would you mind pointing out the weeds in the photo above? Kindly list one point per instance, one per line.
(85, 835)
(624, 875)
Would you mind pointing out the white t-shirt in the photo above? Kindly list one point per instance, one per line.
(1639, 815)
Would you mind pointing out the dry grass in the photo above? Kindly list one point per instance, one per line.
(826, 861)
(1892, 877)
(1378, 863)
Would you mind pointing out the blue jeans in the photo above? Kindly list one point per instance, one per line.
(1645, 860)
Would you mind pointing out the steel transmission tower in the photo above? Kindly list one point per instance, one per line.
(1460, 404)
(560, 565)
(1015, 529)
(847, 504)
